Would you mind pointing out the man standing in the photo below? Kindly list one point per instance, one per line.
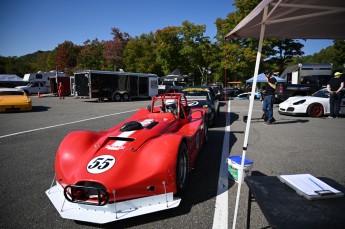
(334, 87)
(267, 105)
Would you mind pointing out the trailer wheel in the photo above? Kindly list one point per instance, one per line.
(126, 97)
(117, 97)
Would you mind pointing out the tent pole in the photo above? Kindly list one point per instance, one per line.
(250, 111)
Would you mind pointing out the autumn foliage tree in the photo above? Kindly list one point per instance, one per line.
(66, 57)
(113, 49)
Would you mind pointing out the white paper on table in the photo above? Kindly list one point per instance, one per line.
(307, 183)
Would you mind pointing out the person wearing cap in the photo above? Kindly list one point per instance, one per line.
(334, 87)
(267, 105)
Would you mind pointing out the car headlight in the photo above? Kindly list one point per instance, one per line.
(205, 106)
(299, 102)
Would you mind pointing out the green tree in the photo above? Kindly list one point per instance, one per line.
(280, 52)
(333, 54)
(339, 54)
(241, 53)
(140, 55)
(91, 55)
(168, 48)
(51, 62)
(195, 50)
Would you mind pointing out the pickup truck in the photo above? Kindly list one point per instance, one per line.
(284, 91)
(34, 87)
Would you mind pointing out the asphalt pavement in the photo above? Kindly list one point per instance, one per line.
(28, 142)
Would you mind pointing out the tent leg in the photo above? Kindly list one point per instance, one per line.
(250, 111)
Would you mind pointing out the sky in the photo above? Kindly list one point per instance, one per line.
(31, 25)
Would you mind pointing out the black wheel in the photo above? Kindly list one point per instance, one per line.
(182, 168)
(117, 97)
(315, 110)
(205, 131)
(125, 97)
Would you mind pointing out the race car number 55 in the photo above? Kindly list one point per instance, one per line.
(100, 164)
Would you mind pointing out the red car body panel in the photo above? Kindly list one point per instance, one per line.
(140, 162)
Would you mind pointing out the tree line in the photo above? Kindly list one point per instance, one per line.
(185, 47)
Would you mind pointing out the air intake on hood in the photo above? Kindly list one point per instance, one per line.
(130, 126)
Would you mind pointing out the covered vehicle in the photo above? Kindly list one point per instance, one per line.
(137, 167)
(315, 105)
(203, 96)
(14, 99)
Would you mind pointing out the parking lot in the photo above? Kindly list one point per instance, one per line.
(29, 141)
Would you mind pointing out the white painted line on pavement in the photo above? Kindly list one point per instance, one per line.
(64, 124)
(220, 219)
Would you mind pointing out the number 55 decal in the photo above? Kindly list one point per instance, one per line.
(100, 164)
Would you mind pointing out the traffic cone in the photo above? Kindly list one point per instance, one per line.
(38, 94)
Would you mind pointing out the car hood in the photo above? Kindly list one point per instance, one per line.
(74, 161)
(307, 98)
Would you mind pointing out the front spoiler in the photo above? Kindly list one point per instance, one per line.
(110, 212)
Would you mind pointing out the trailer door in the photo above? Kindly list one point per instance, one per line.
(143, 86)
(134, 85)
(153, 88)
(81, 81)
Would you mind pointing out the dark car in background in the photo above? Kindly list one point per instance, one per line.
(219, 91)
(231, 92)
(203, 96)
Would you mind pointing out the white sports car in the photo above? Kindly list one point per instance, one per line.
(315, 105)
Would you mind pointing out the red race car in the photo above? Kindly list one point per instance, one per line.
(137, 167)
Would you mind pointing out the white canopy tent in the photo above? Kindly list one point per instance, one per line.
(292, 19)
(10, 78)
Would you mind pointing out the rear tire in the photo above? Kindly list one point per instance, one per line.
(315, 110)
(126, 97)
(182, 169)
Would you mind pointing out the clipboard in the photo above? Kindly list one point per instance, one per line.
(310, 187)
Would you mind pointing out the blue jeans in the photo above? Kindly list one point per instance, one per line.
(267, 107)
(334, 104)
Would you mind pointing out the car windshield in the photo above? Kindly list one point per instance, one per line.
(321, 94)
(11, 93)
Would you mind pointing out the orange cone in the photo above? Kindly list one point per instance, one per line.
(38, 94)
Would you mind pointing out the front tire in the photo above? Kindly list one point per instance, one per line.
(182, 168)
(315, 110)
(205, 130)
(117, 97)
